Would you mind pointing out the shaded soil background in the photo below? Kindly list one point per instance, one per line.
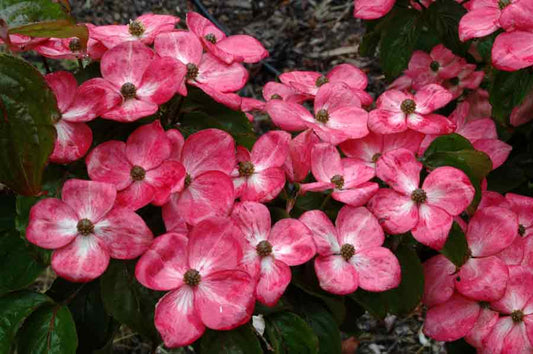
(300, 35)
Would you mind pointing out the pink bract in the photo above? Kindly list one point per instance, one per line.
(350, 254)
(513, 51)
(207, 287)
(85, 229)
(372, 9)
(298, 162)
(269, 251)
(433, 68)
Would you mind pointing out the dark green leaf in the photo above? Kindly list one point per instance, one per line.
(128, 301)
(55, 29)
(508, 90)
(456, 247)
(7, 212)
(288, 333)
(94, 326)
(241, 340)
(27, 108)
(369, 43)
(18, 267)
(443, 18)
(460, 347)
(353, 312)
(49, 330)
(484, 46)
(14, 308)
(398, 40)
(18, 13)
(450, 142)
(406, 297)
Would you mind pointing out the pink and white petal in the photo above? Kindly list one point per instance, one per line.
(359, 228)
(491, 230)
(449, 189)
(351, 121)
(176, 144)
(253, 219)
(89, 199)
(391, 100)
(228, 99)
(298, 163)
(433, 226)
(400, 170)
(168, 177)
(334, 96)
(372, 9)
(430, 124)
(301, 81)
(225, 299)
(356, 172)
(163, 265)
(201, 26)
(479, 23)
(325, 162)
(270, 150)
(395, 212)
(93, 98)
(72, 143)
(161, 80)
(63, 85)
(176, 318)
(523, 207)
(517, 293)
(349, 74)
(378, 269)
(183, 46)
(209, 194)
(364, 149)
(431, 97)
(209, 150)
(220, 76)
(409, 140)
(452, 319)
(214, 245)
(126, 62)
(137, 195)
(244, 48)
(323, 232)
(289, 116)
(111, 35)
(52, 224)
(292, 242)
(155, 24)
(477, 129)
(439, 284)
(335, 275)
(485, 321)
(148, 146)
(496, 338)
(497, 150)
(517, 340)
(514, 254)
(513, 50)
(490, 198)
(263, 186)
(82, 260)
(274, 278)
(315, 187)
(130, 110)
(483, 279)
(517, 16)
(108, 163)
(382, 121)
(356, 196)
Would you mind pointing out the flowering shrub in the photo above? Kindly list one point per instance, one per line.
(145, 182)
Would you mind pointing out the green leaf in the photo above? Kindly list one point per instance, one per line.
(443, 18)
(406, 297)
(18, 267)
(398, 39)
(288, 333)
(508, 90)
(14, 308)
(50, 329)
(27, 135)
(94, 326)
(460, 347)
(7, 212)
(241, 340)
(18, 13)
(456, 247)
(56, 29)
(199, 111)
(484, 46)
(369, 43)
(450, 142)
(128, 301)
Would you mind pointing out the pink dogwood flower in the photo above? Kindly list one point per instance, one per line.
(278, 91)
(467, 78)
(338, 115)
(298, 162)
(216, 78)
(523, 113)
(397, 111)
(350, 254)
(258, 176)
(268, 251)
(85, 229)
(309, 82)
(372, 9)
(348, 178)
(77, 105)
(513, 50)
(522, 206)
(140, 169)
(427, 211)
(206, 286)
(208, 157)
(140, 78)
(143, 29)
(229, 49)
